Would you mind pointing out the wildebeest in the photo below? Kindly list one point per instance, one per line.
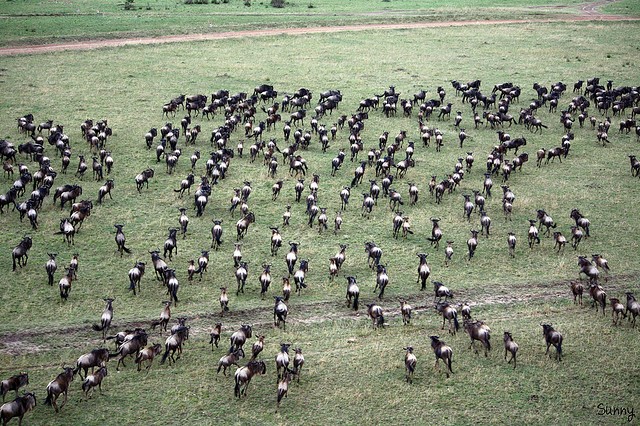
(552, 337)
(94, 380)
(410, 362)
(280, 312)
(21, 252)
(442, 351)
(95, 358)
(510, 346)
(478, 330)
(13, 383)
(239, 337)
(57, 386)
(143, 178)
(174, 343)
(244, 374)
(17, 408)
(132, 344)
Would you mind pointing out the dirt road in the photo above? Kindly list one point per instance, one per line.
(588, 12)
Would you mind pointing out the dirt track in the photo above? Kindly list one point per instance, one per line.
(29, 340)
(588, 12)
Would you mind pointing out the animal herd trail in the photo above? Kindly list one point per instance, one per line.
(587, 12)
(30, 340)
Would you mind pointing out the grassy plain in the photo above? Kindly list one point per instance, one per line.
(39, 21)
(351, 371)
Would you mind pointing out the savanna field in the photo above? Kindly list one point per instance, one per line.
(352, 372)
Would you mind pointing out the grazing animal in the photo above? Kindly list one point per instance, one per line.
(436, 233)
(450, 313)
(423, 270)
(183, 220)
(215, 335)
(282, 359)
(298, 362)
(410, 362)
(65, 283)
(132, 343)
(21, 252)
(577, 289)
(120, 240)
(283, 386)
(478, 330)
(280, 312)
(633, 308)
(299, 276)
(448, 253)
(533, 233)
(244, 374)
(59, 385)
(216, 234)
(224, 301)
(94, 380)
(105, 320)
(17, 408)
(442, 352)
(148, 354)
(374, 254)
(382, 279)
(257, 347)
(51, 267)
(174, 343)
(143, 179)
(465, 310)
(13, 383)
(589, 269)
(511, 243)
(405, 310)
(472, 243)
(598, 296)
(286, 288)
(552, 337)
(203, 262)
(105, 190)
(241, 277)
(440, 291)
(546, 221)
(276, 240)
(601, 263)
(239, 337)
(376, 314)
(617, 309)
(171, 243)
(353, 293)
(135, 276)
(510, 346)
(67, 230)
(242, 226)
(560, 240)
(165, 316)
(230, 359)
(265, 279)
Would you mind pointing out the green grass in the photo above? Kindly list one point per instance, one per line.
(45, 22)
(127, 86)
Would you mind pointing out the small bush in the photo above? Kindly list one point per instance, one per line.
(247, 3)
(277, 3)
(129, 5)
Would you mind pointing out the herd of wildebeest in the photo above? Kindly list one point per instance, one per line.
(251, 119)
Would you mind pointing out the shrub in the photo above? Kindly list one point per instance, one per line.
(277, 3)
